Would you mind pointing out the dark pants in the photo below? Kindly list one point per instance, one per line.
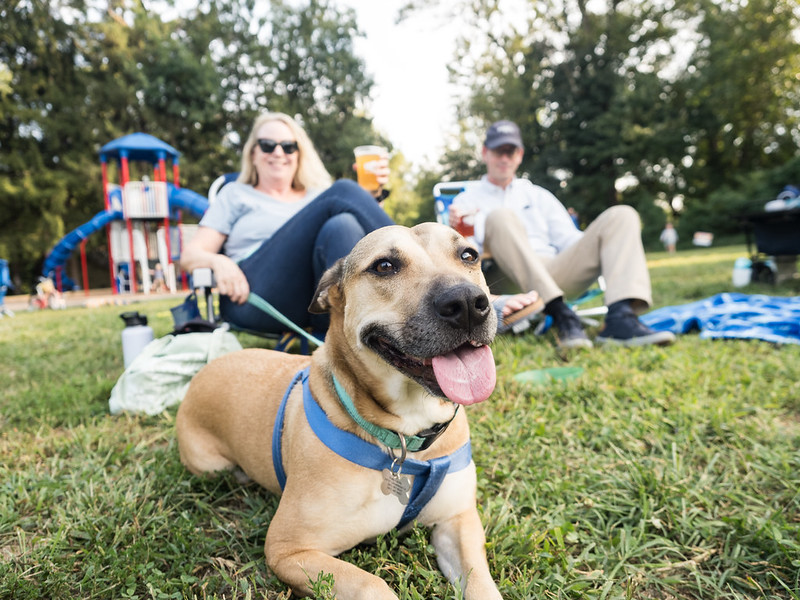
(286, 268)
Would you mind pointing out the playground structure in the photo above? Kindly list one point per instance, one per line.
(137, 217)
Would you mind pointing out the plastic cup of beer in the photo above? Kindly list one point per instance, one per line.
(463, 221)
(367, 162)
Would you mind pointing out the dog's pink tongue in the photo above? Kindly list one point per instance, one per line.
(466, 375)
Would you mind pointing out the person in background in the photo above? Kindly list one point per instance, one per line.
(532, 238)
(47, 296)
(280, 226)
(669, 237)
(159, 284)
(123, 284)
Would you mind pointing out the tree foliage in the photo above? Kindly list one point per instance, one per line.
(741, 91)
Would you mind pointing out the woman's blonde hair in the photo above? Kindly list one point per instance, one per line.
(311, 173)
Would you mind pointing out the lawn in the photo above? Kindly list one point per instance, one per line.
(658, 473)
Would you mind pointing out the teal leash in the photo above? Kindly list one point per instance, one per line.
(273, 312)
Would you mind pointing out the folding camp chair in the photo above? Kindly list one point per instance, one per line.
(445, 192)
(219, 183)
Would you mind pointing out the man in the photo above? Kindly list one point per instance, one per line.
(532, 239)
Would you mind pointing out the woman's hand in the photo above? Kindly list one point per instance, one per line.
(230, 279)
(382, 171)
(203, 252)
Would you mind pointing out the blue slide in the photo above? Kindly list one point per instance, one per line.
(186, 199)
(179, 198)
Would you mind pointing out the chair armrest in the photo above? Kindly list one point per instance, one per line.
(203, 277)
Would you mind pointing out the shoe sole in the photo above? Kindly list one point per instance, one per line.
(659, 338)
(576, 343)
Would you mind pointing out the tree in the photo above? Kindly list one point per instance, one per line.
(406, 205)
(43, 119)
(740, 92)
(320, 79)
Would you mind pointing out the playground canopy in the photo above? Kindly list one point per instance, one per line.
(139, 146)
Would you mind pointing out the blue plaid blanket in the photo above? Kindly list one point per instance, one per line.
(729, 315)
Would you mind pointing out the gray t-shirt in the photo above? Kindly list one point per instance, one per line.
(248, 217)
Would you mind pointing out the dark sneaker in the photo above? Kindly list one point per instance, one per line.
(623, 328)
(570, 332)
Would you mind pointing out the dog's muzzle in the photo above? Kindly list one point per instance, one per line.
(444, 345)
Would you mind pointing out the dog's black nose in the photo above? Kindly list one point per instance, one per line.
(463, 306)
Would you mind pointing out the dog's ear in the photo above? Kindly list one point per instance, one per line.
(328, 289)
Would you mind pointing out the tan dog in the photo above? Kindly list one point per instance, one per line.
(410, 324)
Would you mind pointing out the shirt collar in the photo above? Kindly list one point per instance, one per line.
(496, 189)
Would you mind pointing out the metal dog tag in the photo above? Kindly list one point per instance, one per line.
(397, 485)
(394, 483)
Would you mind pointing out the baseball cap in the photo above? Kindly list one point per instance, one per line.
(502, 133)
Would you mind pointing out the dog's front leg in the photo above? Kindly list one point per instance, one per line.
(461, 553)
(301, 568)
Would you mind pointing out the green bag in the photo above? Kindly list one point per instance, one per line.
(159, 376)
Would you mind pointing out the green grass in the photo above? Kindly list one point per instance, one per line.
(659, 473)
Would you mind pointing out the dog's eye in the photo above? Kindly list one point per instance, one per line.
(383, 266)
(469, 255)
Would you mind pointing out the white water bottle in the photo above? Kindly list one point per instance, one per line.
(742, 272)
(136, 335)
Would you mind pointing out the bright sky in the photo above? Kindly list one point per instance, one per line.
(413, 102)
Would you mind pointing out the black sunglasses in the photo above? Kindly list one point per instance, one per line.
(268, 146)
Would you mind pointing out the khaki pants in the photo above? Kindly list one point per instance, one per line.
(611, 246)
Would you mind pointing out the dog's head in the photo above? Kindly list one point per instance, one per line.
(414, 302)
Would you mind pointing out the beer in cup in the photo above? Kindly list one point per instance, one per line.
(463, 221)
(367, 159)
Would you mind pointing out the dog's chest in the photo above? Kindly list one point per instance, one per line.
(386, 511)
(362, 515)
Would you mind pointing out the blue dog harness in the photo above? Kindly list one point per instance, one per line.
(428, 475)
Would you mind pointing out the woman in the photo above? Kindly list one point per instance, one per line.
(279, 227)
